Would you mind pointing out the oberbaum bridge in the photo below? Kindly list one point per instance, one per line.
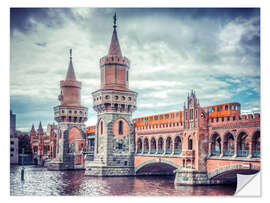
(199, 145)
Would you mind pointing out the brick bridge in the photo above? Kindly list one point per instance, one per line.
(203, 151)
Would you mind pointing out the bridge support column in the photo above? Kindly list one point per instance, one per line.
(191, 177)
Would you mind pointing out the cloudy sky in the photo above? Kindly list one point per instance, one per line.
(215, 52)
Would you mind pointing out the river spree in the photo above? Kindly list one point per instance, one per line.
(39, 182)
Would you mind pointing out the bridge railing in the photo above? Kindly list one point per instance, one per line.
(242, 153)
(146, 151)
(168, 151)
(256, 153)
(177, 151)
(160, 151)
(228, 153)
(139, 151)
(215, 153)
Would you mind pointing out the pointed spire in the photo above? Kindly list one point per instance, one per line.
(33, 128)
(115, 46)
(40, 129)
(40, 125)
(70, 73)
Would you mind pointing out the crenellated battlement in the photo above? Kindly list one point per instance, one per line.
(235, 119)
(114, 60)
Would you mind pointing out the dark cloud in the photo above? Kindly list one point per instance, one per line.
(25, 19)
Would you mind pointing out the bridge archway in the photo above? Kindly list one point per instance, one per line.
(156, 167)
(228, 174)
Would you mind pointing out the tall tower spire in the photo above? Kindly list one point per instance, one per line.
(115, 49)
(70, 73)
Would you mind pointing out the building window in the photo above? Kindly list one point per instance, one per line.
(12, 149)
(75, 112)
(123, 98)
(63, 111)
(166, 116)
(156, 117)
(127, 75)
(116, 97)
(101, 127)
(107, 97)
(129, 98)
(226, 107)
(11, 142)
(120, 128)
(177, 114)
(190, 143)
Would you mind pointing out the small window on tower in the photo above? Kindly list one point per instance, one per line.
(127, 75)
(120, 128)
(123, 98)
(116, 97)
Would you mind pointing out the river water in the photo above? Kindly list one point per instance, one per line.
(39, 182)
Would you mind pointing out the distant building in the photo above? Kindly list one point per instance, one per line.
(14, 151)
(14, 158)
(12, 124)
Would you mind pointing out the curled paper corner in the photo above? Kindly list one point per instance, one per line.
(248, 185)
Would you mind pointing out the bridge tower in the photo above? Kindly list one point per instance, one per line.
(114, 103)
(195, 144)
(70, 116)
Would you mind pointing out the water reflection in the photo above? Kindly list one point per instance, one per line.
(39, 181)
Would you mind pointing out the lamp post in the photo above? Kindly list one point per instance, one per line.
(22, 171)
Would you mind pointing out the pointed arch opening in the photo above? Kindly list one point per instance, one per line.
(215, 145)
(139, 146)
(168, 145)
(228, 145)
(153, 146)
(146, 146)
(242, 145)
(160, 146)
(177, 145)
(256, 142)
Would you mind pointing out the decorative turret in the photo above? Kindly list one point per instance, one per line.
(70, 108)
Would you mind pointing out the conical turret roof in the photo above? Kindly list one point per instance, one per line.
(115, 46)
(70, 73)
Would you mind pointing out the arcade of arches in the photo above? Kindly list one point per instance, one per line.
(240, 145)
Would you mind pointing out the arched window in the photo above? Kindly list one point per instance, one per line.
(101, 127)
(153, 146)
(146, 146)
(215, 145)
(169, 145)
(228, 146)
(139, 146)
(242, 145)
(190, 143)
(120, 128)
(177, 145)
(160, 146)
(256, 144)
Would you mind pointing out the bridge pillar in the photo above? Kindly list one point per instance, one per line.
(190, 177)
(250, 149)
